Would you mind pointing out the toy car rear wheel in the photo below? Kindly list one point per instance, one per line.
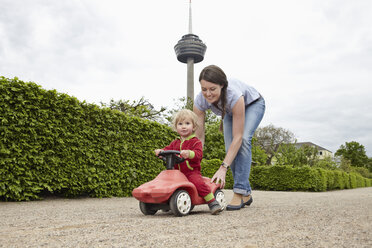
(146, 208)
(220, 197)
(180, 203)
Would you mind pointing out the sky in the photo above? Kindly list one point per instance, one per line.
(311, 60)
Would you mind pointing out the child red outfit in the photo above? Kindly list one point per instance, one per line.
(191, 166)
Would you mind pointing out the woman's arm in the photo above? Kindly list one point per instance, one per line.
(238, 112)
(200, 131)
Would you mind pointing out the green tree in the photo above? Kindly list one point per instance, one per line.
(269, 138)
(354, 152)
(288, 154)
(259, 156)
(141, 108)
(369, 164)
(345, 165)
(182, 103)
(311, 154)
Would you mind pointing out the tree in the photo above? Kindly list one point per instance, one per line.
(311, 154)
(369, 164)
(270, 138)
(345, 165)
(141, 108)
(354, 152)
(288, 154)
(259, 156)
(182, 103)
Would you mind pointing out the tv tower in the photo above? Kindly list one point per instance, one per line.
(190, 49)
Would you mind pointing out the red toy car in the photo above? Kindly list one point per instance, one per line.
(171, 190)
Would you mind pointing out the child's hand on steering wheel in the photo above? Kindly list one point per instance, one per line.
(185, 154)
(157, 151)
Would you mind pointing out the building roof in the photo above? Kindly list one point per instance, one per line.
(299, 144)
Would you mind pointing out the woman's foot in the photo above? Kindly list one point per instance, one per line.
(247, 200)
(236, 202)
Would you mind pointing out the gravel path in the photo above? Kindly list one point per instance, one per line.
(275, 219)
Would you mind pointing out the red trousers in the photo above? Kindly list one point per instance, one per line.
(196, 178)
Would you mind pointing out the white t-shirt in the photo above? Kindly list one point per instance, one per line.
(235, 90)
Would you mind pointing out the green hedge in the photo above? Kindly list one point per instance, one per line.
(51, 142)
(287, 178)
(304, 178)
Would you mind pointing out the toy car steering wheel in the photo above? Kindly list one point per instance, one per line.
(170, 158)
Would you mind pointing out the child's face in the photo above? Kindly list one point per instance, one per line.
(185, 127)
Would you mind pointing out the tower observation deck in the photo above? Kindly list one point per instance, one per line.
(190, 49)
(190, 46)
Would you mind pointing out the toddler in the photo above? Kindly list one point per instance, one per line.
(191, 148)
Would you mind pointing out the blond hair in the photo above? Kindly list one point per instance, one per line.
(182, 115)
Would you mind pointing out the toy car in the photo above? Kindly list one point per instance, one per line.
(171, 190)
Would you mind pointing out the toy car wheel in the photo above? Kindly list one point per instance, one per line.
(146, 208)
(180, 203)
(220, 197)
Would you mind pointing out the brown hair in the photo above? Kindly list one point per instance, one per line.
(216, 75)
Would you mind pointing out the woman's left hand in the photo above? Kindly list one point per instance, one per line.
(220, 175)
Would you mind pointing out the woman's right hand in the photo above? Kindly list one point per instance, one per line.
(220, 175)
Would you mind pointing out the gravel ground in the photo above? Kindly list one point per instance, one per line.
(275, 219)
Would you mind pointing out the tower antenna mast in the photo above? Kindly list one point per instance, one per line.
(190, 19)
(190, 49)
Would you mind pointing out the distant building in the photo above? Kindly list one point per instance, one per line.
(322, 152)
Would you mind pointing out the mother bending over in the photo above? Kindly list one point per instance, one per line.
(241, 108)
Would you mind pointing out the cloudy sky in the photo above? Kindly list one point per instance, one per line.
(311, 60)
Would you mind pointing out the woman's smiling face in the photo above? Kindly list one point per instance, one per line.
(210, 91)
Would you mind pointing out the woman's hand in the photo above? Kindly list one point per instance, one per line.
(220, 175)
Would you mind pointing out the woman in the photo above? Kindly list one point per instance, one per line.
(241, 108)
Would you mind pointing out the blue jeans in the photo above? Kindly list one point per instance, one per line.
(241, 165)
